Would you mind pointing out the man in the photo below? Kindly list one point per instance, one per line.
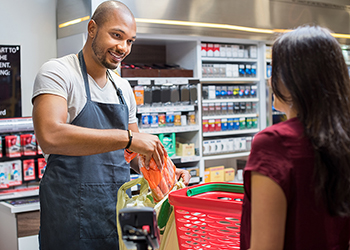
(84, 117)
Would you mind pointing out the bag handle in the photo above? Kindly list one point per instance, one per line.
(232, 188)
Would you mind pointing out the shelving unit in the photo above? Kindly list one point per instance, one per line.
(186, 52)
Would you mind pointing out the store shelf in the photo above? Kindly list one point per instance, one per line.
(228, 59)
(161, 80)
(231, 100)
(230, 132)
(19, 193)
(174, 129)
(22, 208)
(228, 116)
(183, 108)
(226, 156)
(230, 80)
(16, 125)
(185, 159)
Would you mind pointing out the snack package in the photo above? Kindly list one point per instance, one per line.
(160, 181)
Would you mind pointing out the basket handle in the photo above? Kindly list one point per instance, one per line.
(232, 188)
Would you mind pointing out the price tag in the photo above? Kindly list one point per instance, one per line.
(144, 82)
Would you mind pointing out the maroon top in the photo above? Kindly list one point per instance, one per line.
(283, 154)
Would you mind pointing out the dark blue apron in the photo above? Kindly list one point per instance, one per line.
(78, 194)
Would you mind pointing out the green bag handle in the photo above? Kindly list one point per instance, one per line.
(164, 214)
(123, 197)
(232, 188)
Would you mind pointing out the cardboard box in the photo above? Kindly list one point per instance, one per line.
(206, 176)
(194, 171)
(217, 174)
(184, 149)
(229, 174)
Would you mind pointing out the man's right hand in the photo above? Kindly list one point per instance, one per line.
(149, 146)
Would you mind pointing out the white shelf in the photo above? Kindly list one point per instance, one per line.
(184, 108)
(231, 100)
(19, 194)
(225, 156)
(229, 80)
(228, 59)
(174, 129)
(185, 159)
(22, 208)
(231, 132)
(228, 116)
(161, 80)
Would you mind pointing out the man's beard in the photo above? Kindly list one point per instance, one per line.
(98, 51)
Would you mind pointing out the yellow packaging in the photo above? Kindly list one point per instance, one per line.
(184, 149)
(229, 174)
(206, 176)
(217, 174)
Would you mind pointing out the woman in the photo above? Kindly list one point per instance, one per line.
(297, 178)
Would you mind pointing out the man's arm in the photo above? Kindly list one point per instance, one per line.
(55, 136)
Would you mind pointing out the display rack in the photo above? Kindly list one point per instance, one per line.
(27, 188)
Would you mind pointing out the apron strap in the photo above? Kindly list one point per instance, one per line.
(84, 73)
(119, 91)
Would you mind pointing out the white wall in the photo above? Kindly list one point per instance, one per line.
(32, 25)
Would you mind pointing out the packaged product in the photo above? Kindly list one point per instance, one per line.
(160, 181)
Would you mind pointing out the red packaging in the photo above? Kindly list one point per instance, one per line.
(211, 125)
(13, 146)
(217, 124)
(28, 144)
(41, 167)
(28, 170)
(205, 126)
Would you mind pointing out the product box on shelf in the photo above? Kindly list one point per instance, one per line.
(206, 176)
(28, 144)
(194, 171)
(204, 48)
(206, 148)
(217, 173)
(184, 149)
(139, 95)
(229, 174)
(13, 146)
(41, 167)
(169, 142)
(4, 175)
(11, 172)
(28, 170)
(210, 51)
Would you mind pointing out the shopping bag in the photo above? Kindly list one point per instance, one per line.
(144, 199)
(169, 238)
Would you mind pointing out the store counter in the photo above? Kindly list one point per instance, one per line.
(19, 224)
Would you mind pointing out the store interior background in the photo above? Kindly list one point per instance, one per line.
(34, 26)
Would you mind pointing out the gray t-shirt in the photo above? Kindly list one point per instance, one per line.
(63, 77)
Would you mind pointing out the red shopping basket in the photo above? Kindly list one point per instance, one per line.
(208, 216)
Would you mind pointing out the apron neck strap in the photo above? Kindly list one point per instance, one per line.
(84, 73)
(119, 91)
(86, 81)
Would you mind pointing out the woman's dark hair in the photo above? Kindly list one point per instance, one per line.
(309, 62)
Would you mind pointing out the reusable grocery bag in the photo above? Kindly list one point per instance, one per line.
(144, 199)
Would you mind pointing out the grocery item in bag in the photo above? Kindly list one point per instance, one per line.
(160, 181)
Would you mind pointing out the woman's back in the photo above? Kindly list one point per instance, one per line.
(282, 153)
